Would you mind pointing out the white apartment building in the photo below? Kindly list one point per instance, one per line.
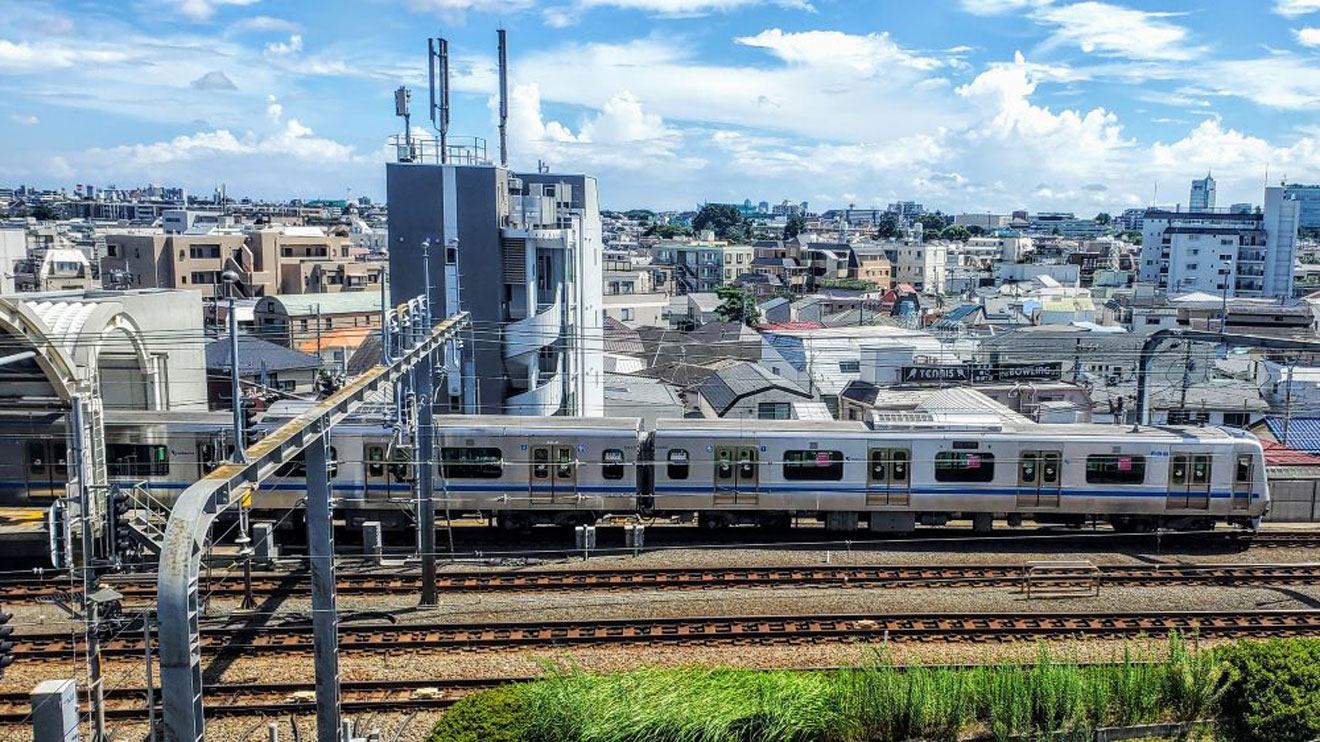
(922, 264)
(1218, 253)
(630, 295)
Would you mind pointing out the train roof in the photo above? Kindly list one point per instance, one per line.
(768, 426)
(538, 423)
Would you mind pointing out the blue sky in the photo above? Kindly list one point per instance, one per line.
(978, 105)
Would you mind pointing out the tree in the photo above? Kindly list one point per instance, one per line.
(44, 213)
(796, 224)
(737, 305)
(976, 230)
(1103, 219)
(640, 215)
(933, 223)
(725, 220)
(664, 231)
(956, 232)
(1133, 237)
(886, 227)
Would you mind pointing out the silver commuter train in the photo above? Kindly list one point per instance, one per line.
(889, 476)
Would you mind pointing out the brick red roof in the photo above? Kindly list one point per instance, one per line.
(1277, 454)
(794, 325)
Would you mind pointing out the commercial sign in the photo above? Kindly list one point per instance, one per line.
(980, 373)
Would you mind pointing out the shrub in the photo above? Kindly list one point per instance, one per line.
(1274, 695)
(496, 715)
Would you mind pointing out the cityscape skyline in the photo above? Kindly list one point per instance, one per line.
(968, 106)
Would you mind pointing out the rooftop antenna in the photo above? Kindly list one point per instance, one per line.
(437, 70)
(504, 97)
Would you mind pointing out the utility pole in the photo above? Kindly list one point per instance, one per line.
(426, 452)
(1187, 376)
(235, 388)
(318, 331)
(91, 610)
(1287, 404)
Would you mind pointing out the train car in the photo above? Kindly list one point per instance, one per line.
(523, 471)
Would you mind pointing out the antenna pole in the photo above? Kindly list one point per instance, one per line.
(443, 48)
(504, 97)
(430, 76)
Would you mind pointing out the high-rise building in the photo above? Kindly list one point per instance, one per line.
(523, 254)
(1203, 194)
(1308, 200)
(1234, 254)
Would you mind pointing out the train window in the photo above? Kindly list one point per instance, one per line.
(59, 458)
(898, 466)
(678, 464)
(723, 464)
(472, 463)
(1049, 467)
(541, 463)
(1028, 467)
(1200, 470)
(1178, 470)
(375, 461)
(297, 466)
(958, 466)
(1245, 470)
(879, 463)
(564, 464)
(813, 466)
(137, 460)
(1115, 469)
(36, 457)
(612, 464)
(746, 464)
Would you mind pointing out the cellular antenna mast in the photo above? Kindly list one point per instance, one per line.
(437, 71)
(504, 97)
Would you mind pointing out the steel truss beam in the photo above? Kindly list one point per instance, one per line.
(178, 605)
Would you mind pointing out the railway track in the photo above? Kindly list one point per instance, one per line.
(143, 588)
(282, 699)
(383, 637)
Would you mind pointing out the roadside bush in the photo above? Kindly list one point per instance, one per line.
(1274, 691)
(496, 715)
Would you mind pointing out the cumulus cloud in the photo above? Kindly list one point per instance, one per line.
(1293, 8)
(1103, 28)
(214, 80)
(34, 57)
(995, 7)
(264, 23)
(274, 111)
(204, 10)
(1308, 36)
(285, 48)
(863, 53)
(24, 119)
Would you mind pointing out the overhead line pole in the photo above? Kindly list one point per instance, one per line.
(178, 597)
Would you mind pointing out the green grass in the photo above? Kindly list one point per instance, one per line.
(880, 702)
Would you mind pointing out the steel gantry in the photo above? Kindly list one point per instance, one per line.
(178, 604)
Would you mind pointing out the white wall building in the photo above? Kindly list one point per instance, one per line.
(1223, 253)
(922, 264)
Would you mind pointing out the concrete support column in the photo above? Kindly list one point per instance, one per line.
(426, 476)
(321, 557)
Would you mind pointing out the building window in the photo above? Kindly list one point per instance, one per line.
(1237, 419)
(774, 411)
(1191, 266)
(626, 314)
(964, 466)
(1115, 469)
(813, 466)
(472, 463)
(850, 367)
(135, 460)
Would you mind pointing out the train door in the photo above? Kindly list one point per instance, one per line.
(887, 479)
(1189, 481)
(206, 457)
(554, 474)
(736, 475)
(376, 470)
(1039, 479)
(1244, 475)
(47, 468)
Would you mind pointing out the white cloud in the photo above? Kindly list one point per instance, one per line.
(1293, 8)
(1102, 28)
(456, 9)
(285, 49)
(996, 7)
(1309, 36)
(264, 23)
(691, 7)
(274, 111)
(203, 10)
(293, 141)
(25, 56)
(24, 119)
(865, 54)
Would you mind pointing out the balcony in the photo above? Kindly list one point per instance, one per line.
(524, 339)
(545, 399)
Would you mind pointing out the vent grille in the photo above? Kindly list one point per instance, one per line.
(515, 261)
